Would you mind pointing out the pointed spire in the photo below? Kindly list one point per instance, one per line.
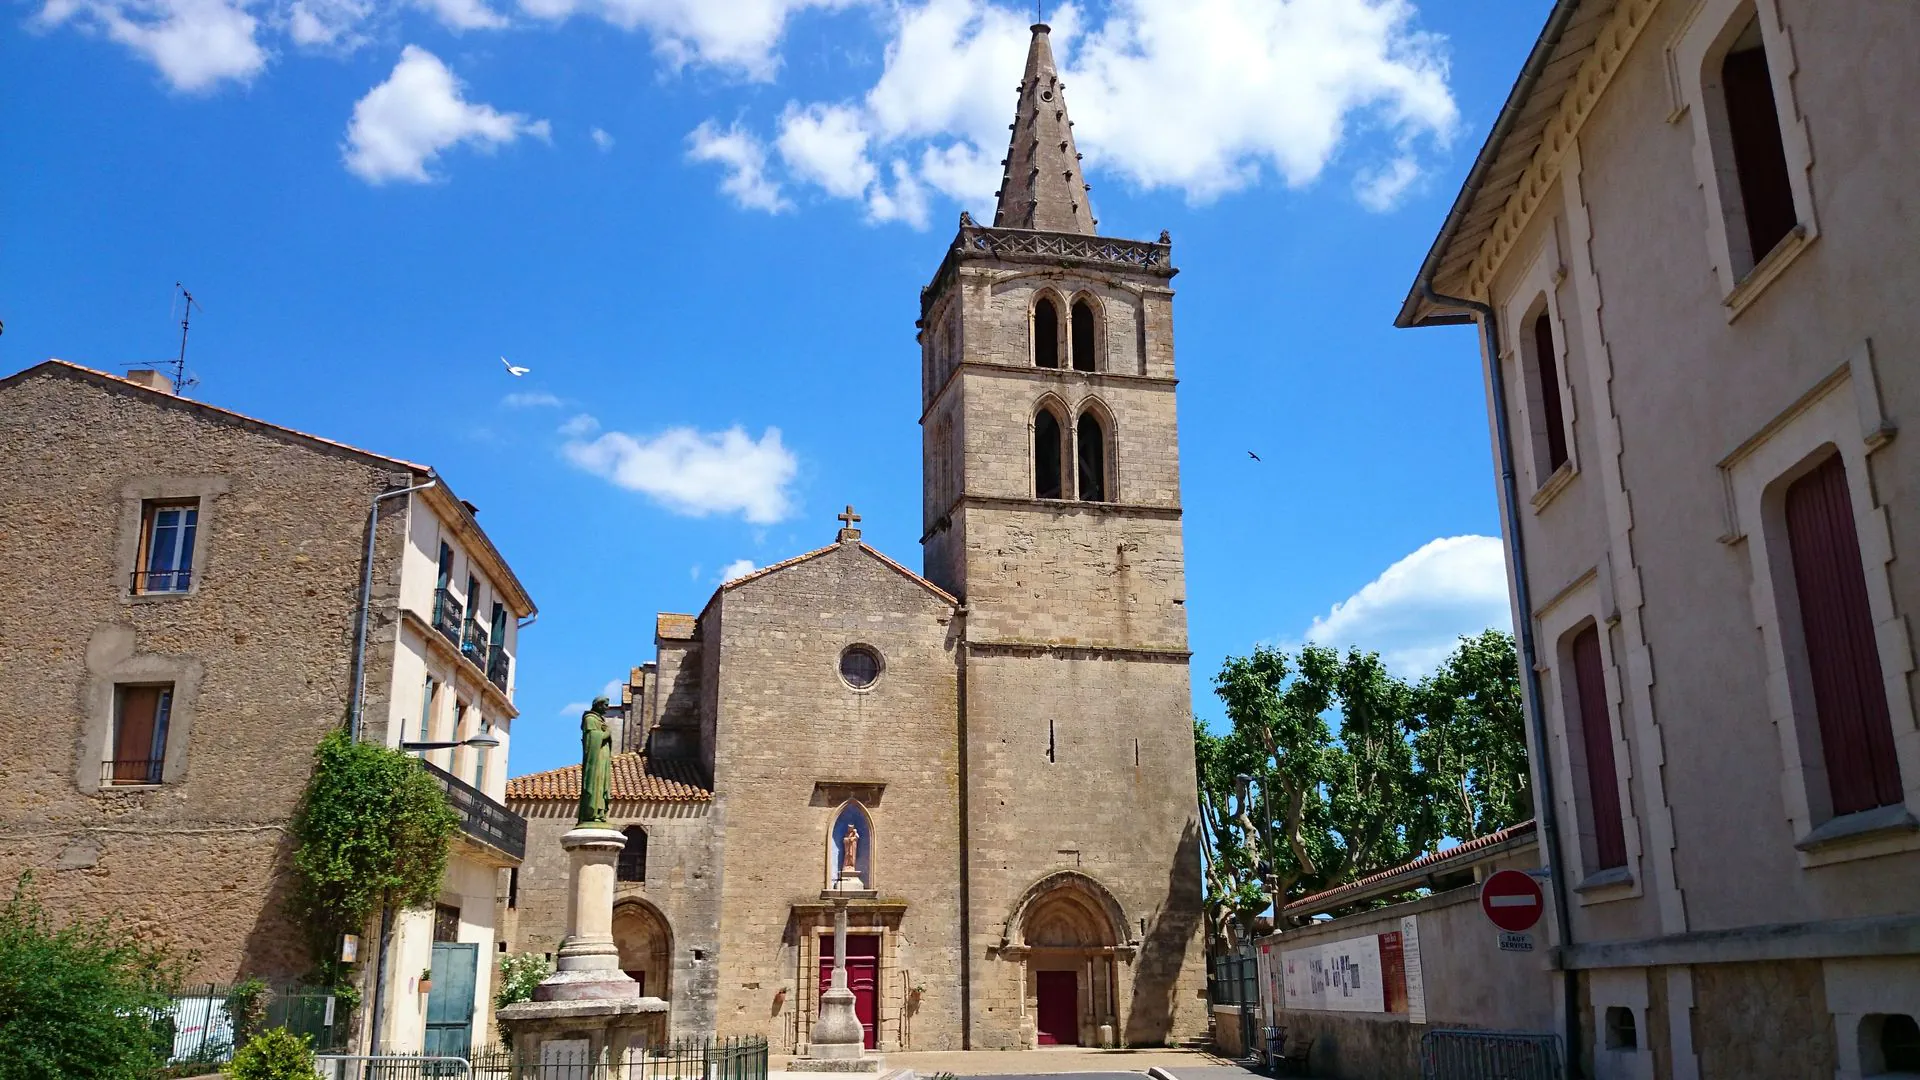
(1043, 187)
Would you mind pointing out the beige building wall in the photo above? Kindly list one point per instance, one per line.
(257, 652)
(795, 742)
(1698, 384)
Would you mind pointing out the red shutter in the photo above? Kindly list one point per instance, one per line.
(1843, 661)
(1596, 732)
(1552, 415)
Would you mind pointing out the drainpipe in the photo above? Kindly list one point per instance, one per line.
(1544, 802)
(359, 676)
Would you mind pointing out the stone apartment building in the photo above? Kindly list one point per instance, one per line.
(183, 584)
(993, 762)
(1689, 244)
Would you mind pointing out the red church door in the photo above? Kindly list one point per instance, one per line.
(863, 978)
(1058, 1021)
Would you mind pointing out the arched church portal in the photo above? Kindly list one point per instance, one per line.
(1068, 941)
(646, 947)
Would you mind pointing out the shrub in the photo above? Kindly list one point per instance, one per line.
(274, 1054)
(372, 831)
(519, 974)
(84, 1001)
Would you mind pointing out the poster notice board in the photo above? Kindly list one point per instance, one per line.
(1377, 973)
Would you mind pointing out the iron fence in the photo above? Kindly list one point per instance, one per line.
(1489, 1055)
(737, 1058)
(199, 1021)
(391, 1067)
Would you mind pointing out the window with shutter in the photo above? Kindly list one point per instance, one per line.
(1759, 152)
(1842, 657)
(140, 721)
(1552, 415)
(1596, 739)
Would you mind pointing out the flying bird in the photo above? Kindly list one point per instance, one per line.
(516, 372)
(1253, 455)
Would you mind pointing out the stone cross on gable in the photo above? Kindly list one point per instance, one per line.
(848, 519)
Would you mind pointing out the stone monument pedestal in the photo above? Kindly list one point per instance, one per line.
(588, 1012)
(839, 1043)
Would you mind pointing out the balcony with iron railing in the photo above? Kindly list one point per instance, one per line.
(447, 612)
(484, 821)
(498, 664)
(473, 644)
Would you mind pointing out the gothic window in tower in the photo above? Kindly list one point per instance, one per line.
(1046, 333)
(1046, 455)
(1084, 340)
(1090, 441)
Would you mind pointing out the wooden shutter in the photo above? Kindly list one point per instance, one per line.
(1596, 736)
(133, 734)
(1843, 661)
(1759, 155)
(1552, 414)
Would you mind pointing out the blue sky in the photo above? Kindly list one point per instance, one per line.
(703, 225)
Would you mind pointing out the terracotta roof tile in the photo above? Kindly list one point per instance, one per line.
(1321, 901)
(635, 779)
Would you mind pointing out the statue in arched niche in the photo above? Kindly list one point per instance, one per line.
(847, 870)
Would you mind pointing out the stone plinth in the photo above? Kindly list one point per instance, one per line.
(588, 968)
(838, 1043)
(583, 1032)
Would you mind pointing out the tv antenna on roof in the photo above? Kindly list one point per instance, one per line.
(180, 379)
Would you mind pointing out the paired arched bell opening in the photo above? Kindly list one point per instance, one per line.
(645, 942)
(1072, 460)
(1066, 333)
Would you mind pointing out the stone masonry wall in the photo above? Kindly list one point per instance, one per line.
(259, 655)
(788, 730)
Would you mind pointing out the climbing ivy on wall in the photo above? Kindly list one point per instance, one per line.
(372, 832)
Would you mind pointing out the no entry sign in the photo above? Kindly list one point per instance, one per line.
(1512, 901)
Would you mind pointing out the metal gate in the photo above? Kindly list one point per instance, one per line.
(1489, 1055)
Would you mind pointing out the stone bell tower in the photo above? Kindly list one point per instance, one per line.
(1052, 508)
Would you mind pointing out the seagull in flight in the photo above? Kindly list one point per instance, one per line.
(1253, 455)
(516, 372)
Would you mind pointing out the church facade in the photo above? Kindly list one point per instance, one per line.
(990, 762)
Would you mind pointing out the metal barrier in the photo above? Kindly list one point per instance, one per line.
(1489, 1055)
(738, 1058)
(391, 1067)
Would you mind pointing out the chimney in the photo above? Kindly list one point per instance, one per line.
(151, 379)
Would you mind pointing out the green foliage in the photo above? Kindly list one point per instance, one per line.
(1409, 765)
(246, 1006)
(274, 1054)
(372, 831)
(519, 974)
(82, 1001)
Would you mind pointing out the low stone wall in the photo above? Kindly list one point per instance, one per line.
(1228, 1038)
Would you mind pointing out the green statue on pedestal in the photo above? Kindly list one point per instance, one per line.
(596, 765)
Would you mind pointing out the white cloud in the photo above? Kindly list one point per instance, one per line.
(738, 35)
(1414, 613)
(465, 14)
(403, 124)
(1381, 189)
(328, 24)
(1285, 87)
(826, 145)
(696, 473)
(602, 140)
(905, 201)
(579, 425)
(737, 568)
(533, 399)
(196, 44)
(745, 159)
(611, 692)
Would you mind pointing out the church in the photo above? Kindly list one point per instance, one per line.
(990, 762)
